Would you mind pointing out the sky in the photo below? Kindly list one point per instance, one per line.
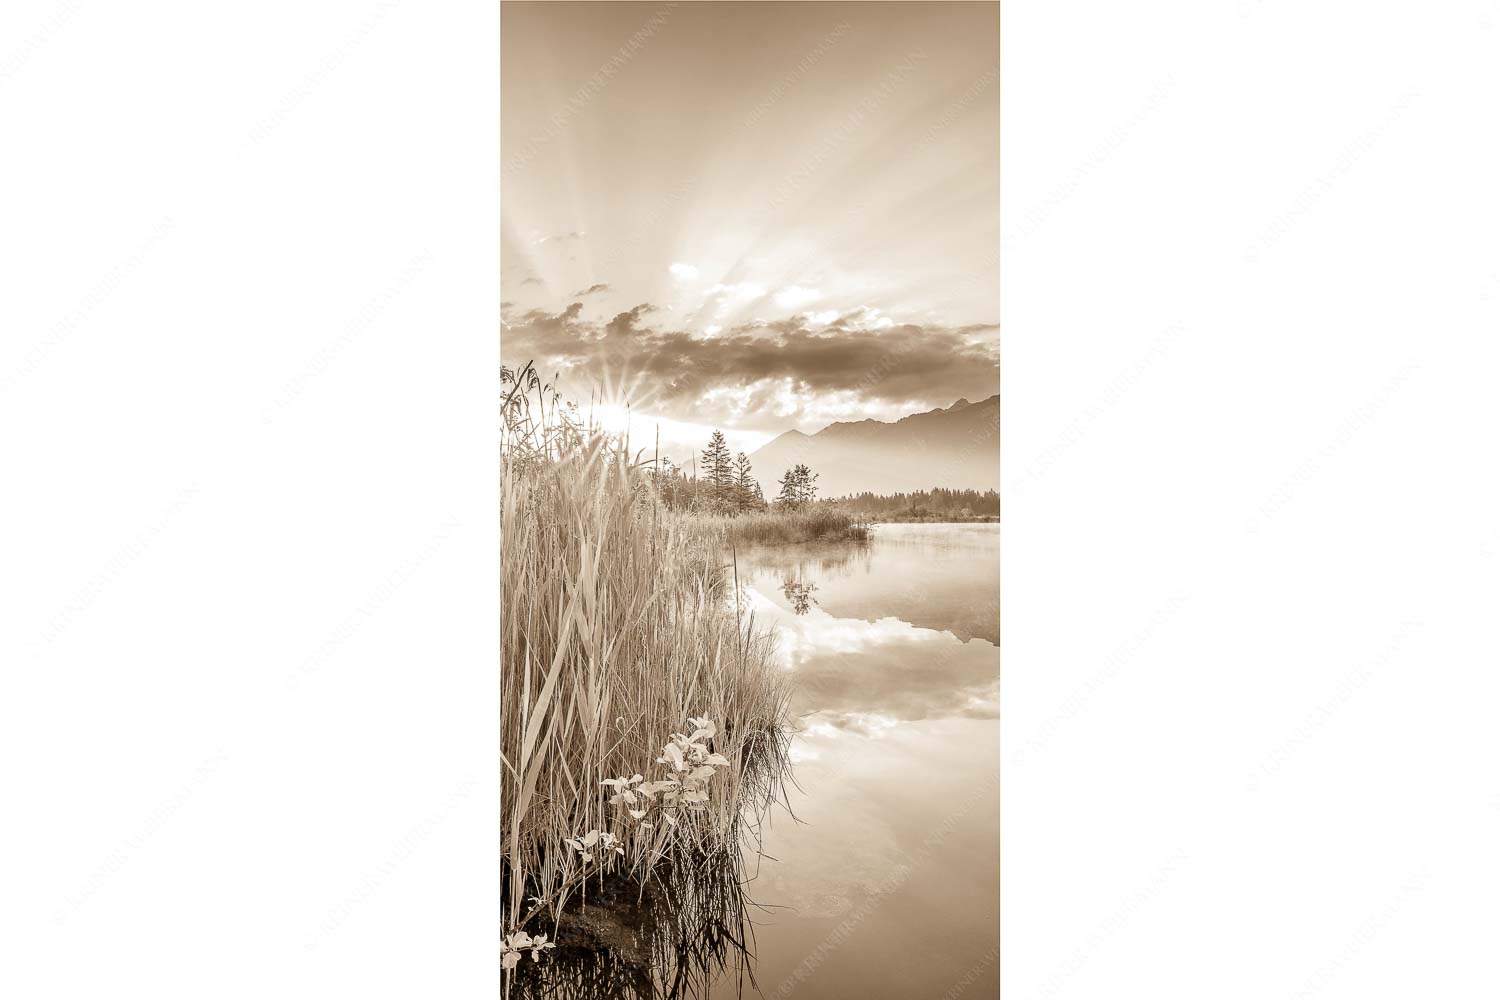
(751, 216)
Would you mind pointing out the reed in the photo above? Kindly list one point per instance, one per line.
(817, 523)
(618, 626)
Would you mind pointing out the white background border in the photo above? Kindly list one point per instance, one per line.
(1250, 290)
(248, 377)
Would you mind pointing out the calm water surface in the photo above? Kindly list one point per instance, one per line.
(886, 885)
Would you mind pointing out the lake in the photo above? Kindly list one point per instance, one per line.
(886, 884)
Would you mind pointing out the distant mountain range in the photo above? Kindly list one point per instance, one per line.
(957, 448)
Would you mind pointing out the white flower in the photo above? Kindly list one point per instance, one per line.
(672, 755)
(511, 949)
(539, 943)
(622, 784)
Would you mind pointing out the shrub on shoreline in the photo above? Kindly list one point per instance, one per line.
(817, 523)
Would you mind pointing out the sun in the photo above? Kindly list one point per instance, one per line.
(612, 418)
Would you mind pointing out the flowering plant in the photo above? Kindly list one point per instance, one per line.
(512, 947)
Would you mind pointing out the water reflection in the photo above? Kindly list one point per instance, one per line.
(799, 594)
(902, 629)
(944, 577)
(896, 840)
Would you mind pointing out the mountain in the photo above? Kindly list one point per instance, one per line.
(957, 447)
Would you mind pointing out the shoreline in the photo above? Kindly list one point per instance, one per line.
(980, 519)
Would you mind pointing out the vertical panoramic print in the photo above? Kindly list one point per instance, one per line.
(750, 540)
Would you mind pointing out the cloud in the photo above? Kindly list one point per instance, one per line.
(777, 374)
(601, 287)
(560, 237)
(683, 272)
(531, 281)
(867, 318)
(538, 325)
(624, 324)
(795, 296)
(740, 291)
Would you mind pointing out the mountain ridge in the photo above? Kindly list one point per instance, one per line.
(956, 447)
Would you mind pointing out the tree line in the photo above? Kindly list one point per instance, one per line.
(936, 502)
(725, 484)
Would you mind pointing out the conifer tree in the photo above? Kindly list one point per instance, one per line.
(745, 484)
(717, 473)
(798, 487)
(787, 498)
(807, 485)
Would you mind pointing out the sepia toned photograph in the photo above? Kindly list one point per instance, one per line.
(750, 538)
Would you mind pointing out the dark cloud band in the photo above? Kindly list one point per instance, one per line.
(674, 371)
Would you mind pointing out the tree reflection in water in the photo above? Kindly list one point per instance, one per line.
(799, 594)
